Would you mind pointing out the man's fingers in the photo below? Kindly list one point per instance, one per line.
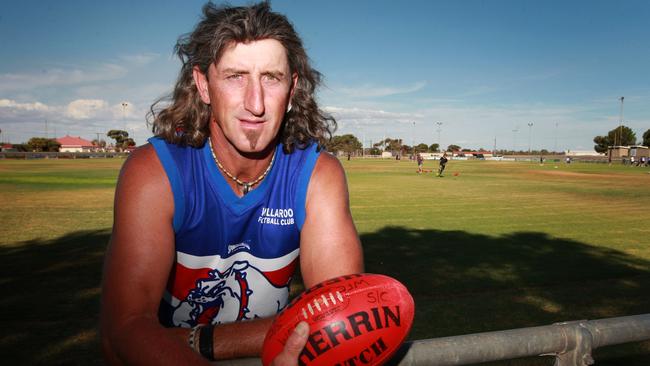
(297, 339)
(293, 347)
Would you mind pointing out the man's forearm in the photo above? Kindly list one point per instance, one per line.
(145, 341)
(240, 339)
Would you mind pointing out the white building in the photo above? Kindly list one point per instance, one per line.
(75, 144)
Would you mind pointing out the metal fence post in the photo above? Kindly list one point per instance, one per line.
(580, 345)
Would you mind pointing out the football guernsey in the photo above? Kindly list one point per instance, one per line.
(235, 256)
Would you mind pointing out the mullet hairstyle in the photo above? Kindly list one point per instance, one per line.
(184, 119)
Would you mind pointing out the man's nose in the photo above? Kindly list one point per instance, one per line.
(254, 98)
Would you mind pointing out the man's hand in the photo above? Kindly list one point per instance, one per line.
(293, 347)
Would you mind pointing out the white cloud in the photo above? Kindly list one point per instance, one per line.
(140, 59)
(477, 126)
(21, 120)
(12, 104)
(374, 91)
(369, 114)
(53, 77)
(85, 108)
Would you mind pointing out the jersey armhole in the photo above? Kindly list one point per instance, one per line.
(303, 183)
(175, 181)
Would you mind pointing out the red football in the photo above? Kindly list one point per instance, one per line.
(353, 319)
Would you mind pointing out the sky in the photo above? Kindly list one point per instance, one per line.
(479, 74)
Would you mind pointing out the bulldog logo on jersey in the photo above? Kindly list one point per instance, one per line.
(241, 292)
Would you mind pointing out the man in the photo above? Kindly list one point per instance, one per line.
(420, 160)
(442, 163)
(211, 215)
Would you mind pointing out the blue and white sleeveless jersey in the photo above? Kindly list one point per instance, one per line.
(235, 256)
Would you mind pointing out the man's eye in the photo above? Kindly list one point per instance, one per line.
(234, 76)
(270, 77)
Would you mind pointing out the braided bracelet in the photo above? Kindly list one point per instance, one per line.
(191, 339)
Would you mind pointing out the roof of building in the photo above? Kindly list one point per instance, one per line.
(68, 140)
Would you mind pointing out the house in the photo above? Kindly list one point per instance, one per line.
(6, 147)
(628, 151)
(75, 144)
(639, 151)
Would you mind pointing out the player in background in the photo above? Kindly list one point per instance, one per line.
(420, 161)
(442, 164)
(213, 216)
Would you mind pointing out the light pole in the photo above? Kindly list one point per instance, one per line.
(530, 135)
(555, 145)
(620, 124)
(124, 105)
(439, 129)
(413, 139)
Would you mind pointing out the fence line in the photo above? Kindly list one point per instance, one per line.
(570, 342)
(60, 155)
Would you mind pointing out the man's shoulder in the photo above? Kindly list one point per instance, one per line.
(142, 165)
(142, 155)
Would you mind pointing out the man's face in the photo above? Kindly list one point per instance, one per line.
(248, 91)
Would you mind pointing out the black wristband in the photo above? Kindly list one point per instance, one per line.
(206, 346)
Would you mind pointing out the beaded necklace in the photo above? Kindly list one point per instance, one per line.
(247, 186)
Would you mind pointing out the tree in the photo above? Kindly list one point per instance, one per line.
(453, 148)
(646, 138)
(99, 143)
(43, 144)
(346, 143)
(434, 147)
(128, 143)
(392, 145)
(602, 142)
(21, 147)
(120, 138)
(620, 136)
(421, 148)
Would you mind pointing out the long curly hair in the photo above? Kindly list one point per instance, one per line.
(182, 118)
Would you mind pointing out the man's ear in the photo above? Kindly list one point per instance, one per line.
(294, 84)
(201, 82)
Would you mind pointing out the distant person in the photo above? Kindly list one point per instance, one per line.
(568, 160)
(230, 197)
(420, 163)
(442, 164)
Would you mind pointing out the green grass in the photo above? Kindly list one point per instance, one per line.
(499, 245)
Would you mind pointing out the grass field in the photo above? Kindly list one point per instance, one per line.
(490, 246)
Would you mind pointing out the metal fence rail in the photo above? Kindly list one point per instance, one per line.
(570, 342)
